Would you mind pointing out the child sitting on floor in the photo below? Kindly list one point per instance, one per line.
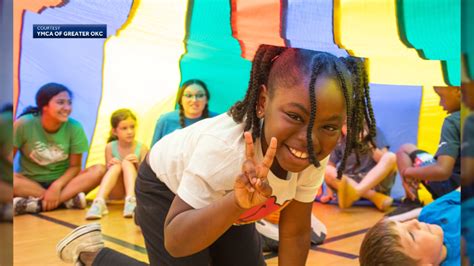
(123, 154)
(370, 176)
(439, 174)
(432, 239)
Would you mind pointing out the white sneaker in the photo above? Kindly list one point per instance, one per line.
(26, 205)
(270, 231)
(97, 209)
(77, 202)
(267, 229)
(85, 238)
(319, 232)
(269, 235)
(129, 207)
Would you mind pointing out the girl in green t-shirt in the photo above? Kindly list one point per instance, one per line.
(51, 146)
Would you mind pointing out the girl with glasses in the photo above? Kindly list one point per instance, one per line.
(193, 98)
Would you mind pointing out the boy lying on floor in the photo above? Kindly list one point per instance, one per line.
(433, 239)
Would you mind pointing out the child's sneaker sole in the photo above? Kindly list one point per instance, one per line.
(74, 235)
(128, 215)
(93, 217)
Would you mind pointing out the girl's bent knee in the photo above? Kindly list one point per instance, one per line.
(98, 170)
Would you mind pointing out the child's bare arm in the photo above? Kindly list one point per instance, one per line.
(440, 171)
(467, 170)
(143, 152)
(189, 230)
(52, 194)
(295, 233)
(109, 159)
(378, 153)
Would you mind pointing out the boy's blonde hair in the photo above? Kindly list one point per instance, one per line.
(381, 246)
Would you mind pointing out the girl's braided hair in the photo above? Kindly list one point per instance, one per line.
(274, 64)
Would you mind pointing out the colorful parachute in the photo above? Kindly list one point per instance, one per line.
(154, 45)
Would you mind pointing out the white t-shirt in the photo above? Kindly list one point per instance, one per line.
(201, 162)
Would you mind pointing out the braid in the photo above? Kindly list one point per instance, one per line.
(296, 66)
(240, 109)
(369, 111)
(205, 112)
(358, 118)
(181, 117)
(350, 134)
(312, 99)
(364, 105)
(356, 114)
(258, 76)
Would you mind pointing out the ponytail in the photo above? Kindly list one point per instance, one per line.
(34, 110)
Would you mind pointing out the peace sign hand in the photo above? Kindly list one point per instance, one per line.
(251, 187)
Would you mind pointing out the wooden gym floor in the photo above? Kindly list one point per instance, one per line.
(6, 244)
(35, 236)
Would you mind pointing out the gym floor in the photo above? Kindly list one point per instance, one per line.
(36, 236)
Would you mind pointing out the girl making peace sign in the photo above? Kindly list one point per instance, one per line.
(202, 187)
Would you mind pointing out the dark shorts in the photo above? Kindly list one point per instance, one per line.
(240, 245)
(421, 158)
(45, 184)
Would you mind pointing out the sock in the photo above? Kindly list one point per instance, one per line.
(381, 201)
(347, 194)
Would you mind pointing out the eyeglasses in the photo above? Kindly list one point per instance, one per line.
(198, 96)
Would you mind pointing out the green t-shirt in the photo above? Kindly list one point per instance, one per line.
(44, 156)
(6, 135)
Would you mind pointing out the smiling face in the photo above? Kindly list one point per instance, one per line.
(194, 100)
(287, 114)
(421, 241)
(125, 130)
(59, 107)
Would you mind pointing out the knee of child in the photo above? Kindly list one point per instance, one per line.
(407, 148)
(19, 183)
(402, 155)
(16, 188)
(126, 164)
(390, 158)
(98, 170)
(330, 174)
(18, 178)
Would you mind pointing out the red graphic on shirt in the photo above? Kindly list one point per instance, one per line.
(258, 212)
